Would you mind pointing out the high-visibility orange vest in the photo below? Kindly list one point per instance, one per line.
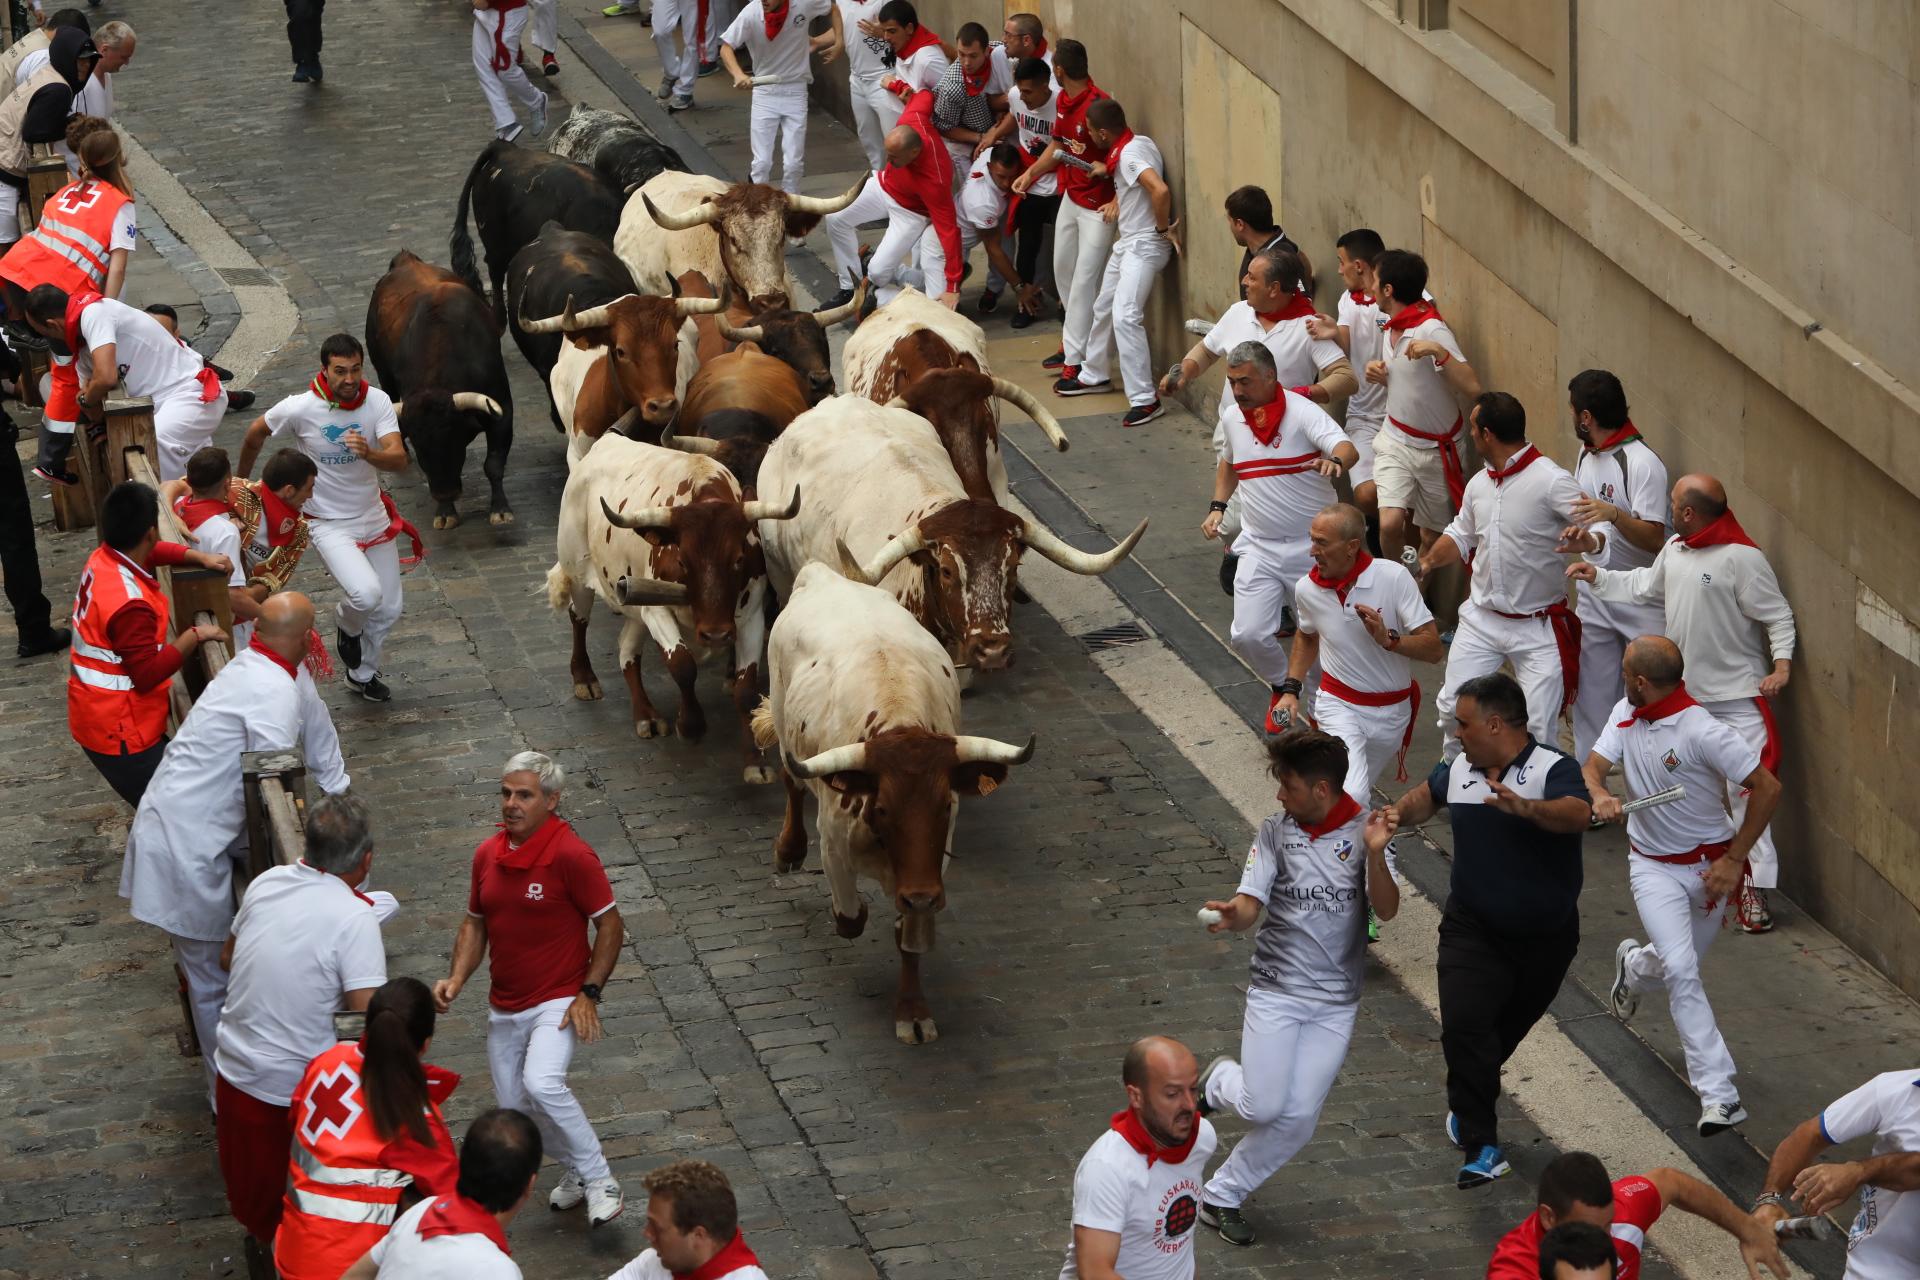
(342, 1198)
(71, 245)
(104, 711)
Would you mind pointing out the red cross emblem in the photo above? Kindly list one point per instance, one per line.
(82, 195)
(333, 1104)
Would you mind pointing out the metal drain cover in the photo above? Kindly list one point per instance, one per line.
(245, 276)
(1121, 633)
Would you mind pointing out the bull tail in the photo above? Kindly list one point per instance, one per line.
(460, 246)
(763, 734)
(559, 589)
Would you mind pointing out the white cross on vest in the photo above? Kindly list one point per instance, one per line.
(82, 195)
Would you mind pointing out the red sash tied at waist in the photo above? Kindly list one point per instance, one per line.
(1361, 698)
(397, 524)
(1699, 853)
(1566, 638)
(1449, 456)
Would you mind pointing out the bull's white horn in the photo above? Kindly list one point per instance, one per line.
(684, 307)
(699, 216)
(552, 324)
(758, 510)
(1049, 544)
(845, 759)
(475, 402)
(642, 518)
(686, 444)
(752, 333)
(399, 407)
(571, 321)
(972, 750)
(835, 315)
(1023, 400)
(644, 591)
(910, 541)
(831, 204)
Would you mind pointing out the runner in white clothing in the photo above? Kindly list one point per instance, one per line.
(981, 212)
(875, 108)
(1309, 959)
(1686, 860)
(920, 57)
(693, 1224)
(350, 429)
(497, 25)
(1286, 450)
(1720, 595)
(1357, 327)
(774, 35)
(1513, 522)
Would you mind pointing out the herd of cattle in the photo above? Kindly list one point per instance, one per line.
(710, 459)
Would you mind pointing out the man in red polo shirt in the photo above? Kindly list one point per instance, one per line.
(535, 886)
(1082, 236)
(1575, 1188)
(915, 189)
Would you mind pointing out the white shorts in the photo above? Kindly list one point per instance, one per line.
(1412, 479)
(1362, 432)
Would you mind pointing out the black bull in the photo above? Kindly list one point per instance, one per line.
(514, 192)
(555, 266)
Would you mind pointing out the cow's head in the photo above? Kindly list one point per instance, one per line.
(642, 337)
(753, 222)
(438, 426)
(959, 404)
(706, 554)
(902, 783)
(737, 439)
(799, 339)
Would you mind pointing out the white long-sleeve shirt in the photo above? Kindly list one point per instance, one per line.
(192, 820)
(1508, 529)
(1719, 601)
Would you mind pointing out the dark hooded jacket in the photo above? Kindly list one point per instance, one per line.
(49, 109)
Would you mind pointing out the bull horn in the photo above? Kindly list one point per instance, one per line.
(1049, 544)
(1023, 400)
(474, 402)
(684, 307)
(972, 750)
(835, 315)
(910, 541)
(687, 444)
(701, 214)
(845, 759)
(399, 407)
(758, 510)
(644, 518)
(644, 591)
(830, 204)
(752, 333)
(569, 320)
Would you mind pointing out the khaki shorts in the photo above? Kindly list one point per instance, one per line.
(1411, 479)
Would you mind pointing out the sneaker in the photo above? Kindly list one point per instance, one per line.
(300, 75)
(373, 688)
(1622, 996)
(1452, 1127)
(680, 102)
(1204, 1107)
(1072, 386)
(1057, 360)
(1289, 625)
(1141, 414)
(549, 65)
(1754, 916)
(1276, 726)
(52, 640)
(313, 69)
(570, 1194)
(1230, 1223)
(509, 134)
(1718, 1117)
(239, 400)
(709, 69)
(539, 124)
(348, 647)
(1229, 566)
(989, 302)
(56, 477)
(625, 11)
(604, 1201)
(1022, 319)
(839, 299)
(665, 90)
(1483, 1168)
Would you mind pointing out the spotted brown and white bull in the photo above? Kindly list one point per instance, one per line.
(665, 540)
(865, 708)
(886, 507)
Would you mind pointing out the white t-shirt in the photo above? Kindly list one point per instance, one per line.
(1632, 477)
(1691, 748)
(788, 54)
(1152, 1207)
(1034, 127)
(1362, 323)
(1417, 393)
(1507, 531)
(302, 939)
(347, 487)
(866, 55)
(649, 1267)
(981, 204)
(152, 361)
(1311, 942)
(1280, 492)
(1298, 357)
(220, 536)
(1136, 220)
(1884, 1241)
(923, 69)
(1347, 652)
(403, 1255)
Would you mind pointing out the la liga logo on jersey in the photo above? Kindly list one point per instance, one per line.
(1343, 850)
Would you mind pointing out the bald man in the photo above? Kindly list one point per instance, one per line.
(1687, 860)
(1725, 610)
(190, 827)
(1136, 1194)
(913, 191)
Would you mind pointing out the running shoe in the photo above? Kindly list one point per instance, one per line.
(1483, 1168)
(1622, 996)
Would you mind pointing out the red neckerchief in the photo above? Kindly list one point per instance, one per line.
(774, 18)
(194, 512)
(1344, 810)
(1265, 420)
(1072, 102)
(1360, 297)
(319, 387)
(1297, 307)
(1515, 465)
(976, 84)
(455, 1215)
(1128, 1126)
(285, 664)
(730, 1259)
(920, 40)
(1413, 314)
(278, 518)
(1113, 152)
(1722, 532)
(535, 851)
(1671, 705)
(1627, 433)
(76, 303)
(1340, 586)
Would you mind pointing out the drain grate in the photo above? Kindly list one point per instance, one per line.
(1121, 633)
(245, 276)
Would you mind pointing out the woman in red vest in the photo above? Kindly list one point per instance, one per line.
(367, 1133)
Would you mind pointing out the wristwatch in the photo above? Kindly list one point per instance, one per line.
(1216, 506)
(591, 991)
(1393, 637)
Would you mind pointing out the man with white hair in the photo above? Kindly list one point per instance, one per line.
(535, 885)
(115, 41)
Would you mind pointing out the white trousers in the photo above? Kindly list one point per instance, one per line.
(543, 19)
(206, 993)
(932, 271)
(1743, 714)
(369, 582)
(1605, 628)
(1082, 240)
(1262, 587)
(1120, 313)
(1373, 736)
(893, 258)
(183, 425)
(528, 1053)
(680, 58)
(874, 112)
(1482, 643)
(1672, 902)
(720, 16)
(494, 30)
(1291, 1049)
(779, 109)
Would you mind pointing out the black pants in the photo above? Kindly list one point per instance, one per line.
(1493, 988)
(303, 30)
(1033, 222)
(129, 774)
(19, 558)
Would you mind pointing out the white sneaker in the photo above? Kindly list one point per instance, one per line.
(1718, 1117)
(1623, 997)
(570, 1194)
(665, 90)
(604, 1201)
(539, 125)
(509, 134)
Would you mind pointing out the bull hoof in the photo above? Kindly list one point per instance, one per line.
(650, 728)
(693, 731)
(500, 517)
(758, 774)
(586, 690)
(918, 1030)
(850, 927)
(446, 522)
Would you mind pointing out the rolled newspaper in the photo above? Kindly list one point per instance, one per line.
(1672, 793)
